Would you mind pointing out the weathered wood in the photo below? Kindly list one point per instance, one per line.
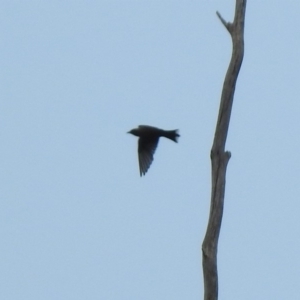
(220, 157)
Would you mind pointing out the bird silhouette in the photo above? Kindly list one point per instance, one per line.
(148, 141)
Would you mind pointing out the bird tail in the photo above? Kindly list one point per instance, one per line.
(172, 135)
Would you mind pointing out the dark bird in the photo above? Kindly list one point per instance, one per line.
(148, 141)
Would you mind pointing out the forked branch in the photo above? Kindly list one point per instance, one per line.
(220, 158)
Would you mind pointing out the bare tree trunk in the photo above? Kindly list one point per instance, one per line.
(220, 158)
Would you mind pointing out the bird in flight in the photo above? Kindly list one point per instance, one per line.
(148, 141)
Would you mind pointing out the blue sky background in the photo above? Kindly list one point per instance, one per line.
(76, 220)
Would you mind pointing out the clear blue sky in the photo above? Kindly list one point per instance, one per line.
(76, 220)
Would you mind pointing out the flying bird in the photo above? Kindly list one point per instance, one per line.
(148, 141)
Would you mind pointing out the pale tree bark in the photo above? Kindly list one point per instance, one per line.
(220, 157)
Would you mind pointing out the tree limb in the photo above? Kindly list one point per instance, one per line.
(220, 157)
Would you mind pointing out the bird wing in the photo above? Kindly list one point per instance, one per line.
(146, 151)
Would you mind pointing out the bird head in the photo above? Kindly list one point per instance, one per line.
(134, 131)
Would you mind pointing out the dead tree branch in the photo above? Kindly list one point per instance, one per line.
(220, 157)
